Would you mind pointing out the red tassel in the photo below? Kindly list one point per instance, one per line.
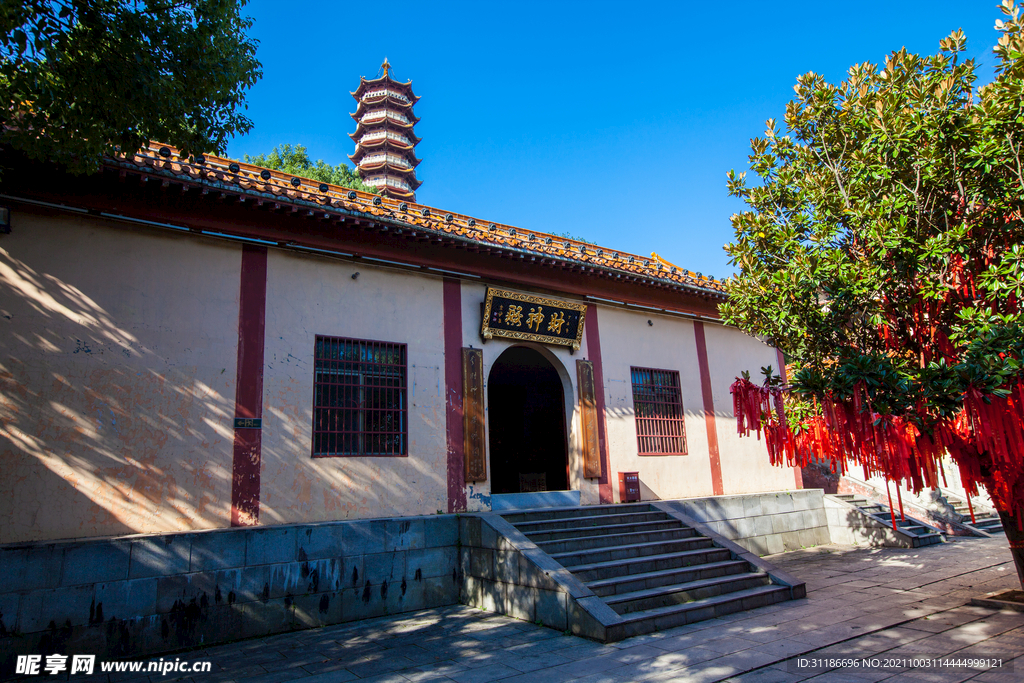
(892, 514)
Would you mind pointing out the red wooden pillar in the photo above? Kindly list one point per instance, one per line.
(452, 304)
(709, 409)
(594, 351)
(247, 455)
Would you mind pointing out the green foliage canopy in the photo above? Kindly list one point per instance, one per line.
(83, 78)
(883, 243)
(295, 160)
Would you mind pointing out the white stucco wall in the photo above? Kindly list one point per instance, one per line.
(668, 344)
(745, 465)
(118, 362)
(309, 296)
(117, 378)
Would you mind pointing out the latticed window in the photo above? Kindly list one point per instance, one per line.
(359, 401)
(658, 406)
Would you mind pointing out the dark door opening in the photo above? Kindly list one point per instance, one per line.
(526, 414)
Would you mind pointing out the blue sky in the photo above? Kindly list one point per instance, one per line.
(610, 121)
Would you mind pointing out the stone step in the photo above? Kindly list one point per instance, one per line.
(929, 540)
(649, 568)
(582, 531)
(980, 517)
(990, 521)
(633, 550)
(662, 618)
(990, 527)
(529, 528)
(629, 583)
(911, 528)
(986, 521)
(635, 566)
(679, 594)
(568, 545)
(515, 518)
(978, 514)
(920, 533)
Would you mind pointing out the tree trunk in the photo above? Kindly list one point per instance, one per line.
(1016, 538)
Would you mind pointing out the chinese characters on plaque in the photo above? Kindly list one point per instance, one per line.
(532, 318)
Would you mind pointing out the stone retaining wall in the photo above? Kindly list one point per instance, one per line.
(507, 573)
(156, 593)
(137, 595)
(763, 523)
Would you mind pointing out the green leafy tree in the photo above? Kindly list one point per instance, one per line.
(295, 160)
(83, 78)
(883, 251)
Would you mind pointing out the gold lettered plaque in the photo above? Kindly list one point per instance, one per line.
(532, 318)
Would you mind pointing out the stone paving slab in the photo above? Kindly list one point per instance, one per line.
(861, 602)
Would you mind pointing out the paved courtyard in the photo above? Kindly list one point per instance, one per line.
(861, 603)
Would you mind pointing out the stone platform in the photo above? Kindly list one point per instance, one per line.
(860, 602)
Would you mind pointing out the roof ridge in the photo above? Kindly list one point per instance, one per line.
(246, 175)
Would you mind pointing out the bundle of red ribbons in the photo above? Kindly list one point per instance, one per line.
(985, 440)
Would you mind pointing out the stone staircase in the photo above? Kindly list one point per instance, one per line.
(984, 520)
(917, 532)
(647, 565)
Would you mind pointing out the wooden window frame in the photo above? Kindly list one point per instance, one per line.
(658, 411)
(360, 398)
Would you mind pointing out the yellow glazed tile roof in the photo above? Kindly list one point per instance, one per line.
(271, 184)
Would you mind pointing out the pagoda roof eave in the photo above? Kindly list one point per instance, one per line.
(362, 129)
(389, 167)
(403, 126)
(381, 100)
(382, 142)
(363, 108)
(365, 83)
(395, 192)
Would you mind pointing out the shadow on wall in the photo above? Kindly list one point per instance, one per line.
(864, 530)
(117, 405)
(298, 488)
(87, 409)
(871, 535)
(646, 492)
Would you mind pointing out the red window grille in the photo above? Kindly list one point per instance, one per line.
(658, 406)
(359, 398)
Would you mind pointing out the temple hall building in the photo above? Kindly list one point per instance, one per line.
(200, 343)
(236, 402)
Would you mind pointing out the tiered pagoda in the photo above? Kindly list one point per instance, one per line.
(384, 139)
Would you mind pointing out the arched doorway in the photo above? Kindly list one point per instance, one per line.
(526, 417)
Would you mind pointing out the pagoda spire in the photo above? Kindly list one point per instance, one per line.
(384, 154)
